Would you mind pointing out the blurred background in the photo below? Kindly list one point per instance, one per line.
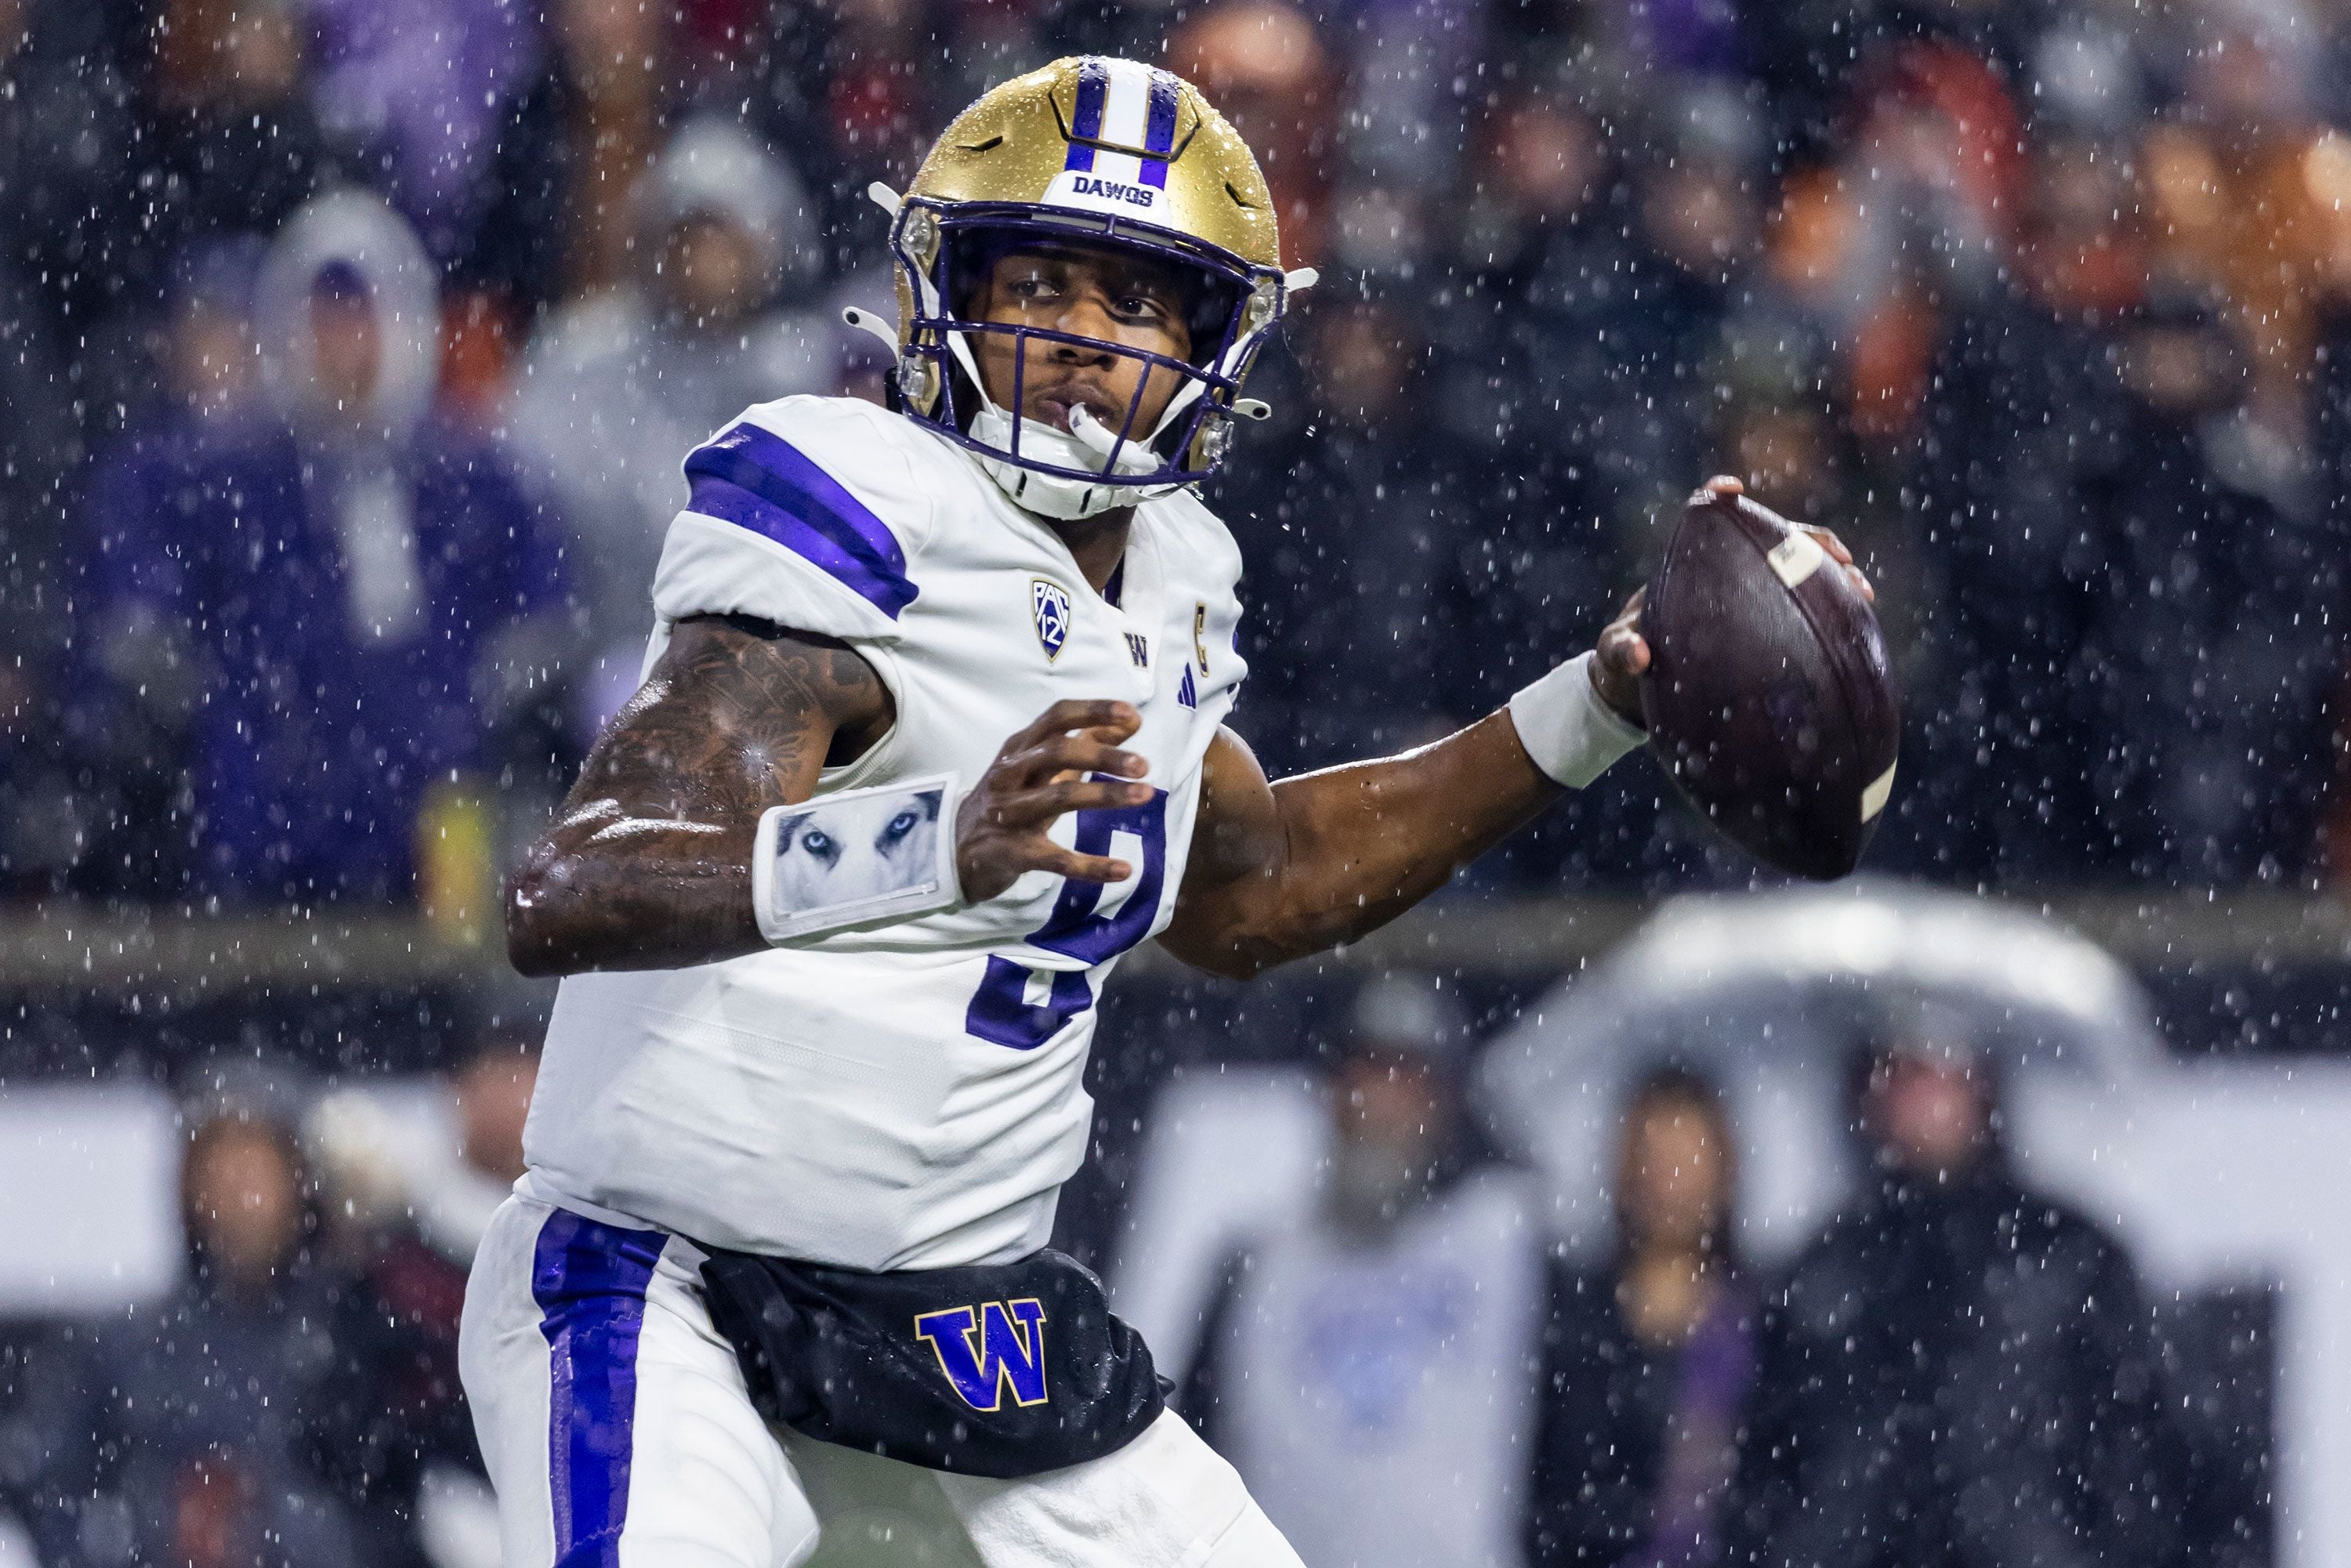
(1982, 1213)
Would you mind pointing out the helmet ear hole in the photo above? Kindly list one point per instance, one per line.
(1216, 439)
(918, 381)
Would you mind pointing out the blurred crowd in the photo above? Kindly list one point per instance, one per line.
(1412, 1364)
(294, 1398)
(348, 351)
(1386, 1331)
(351, 351)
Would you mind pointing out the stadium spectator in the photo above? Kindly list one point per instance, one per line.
(201, 1429)
(1959, 1371)
(57, 200)
(2234, 209)
(223, 140)
(356, 582)
(1402, 63)
(568, 147)
(397, 1185)
(100, 793)
(414, 91)
(1366, 1372)
(1534, 400)
(2218, 741)
(618, 386)
(1649, 1359)
(1354, 517)
(1537, 241)
(1266, 68)
(408, 1204)
(2022, 436)
(1699, 228)
(66, 68)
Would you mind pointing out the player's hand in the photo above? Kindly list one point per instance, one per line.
(1623, 654)
(1723, 484)
(1044, 771)
(1619, 658)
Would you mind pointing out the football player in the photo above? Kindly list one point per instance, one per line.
(1006, 578)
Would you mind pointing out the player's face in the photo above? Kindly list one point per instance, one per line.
(1128, 302)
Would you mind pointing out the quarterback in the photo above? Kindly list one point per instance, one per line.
(776, 1287)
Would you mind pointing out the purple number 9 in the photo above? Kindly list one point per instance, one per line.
(1000, 1011)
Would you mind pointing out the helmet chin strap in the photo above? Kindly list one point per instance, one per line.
(1051, 495)
(1133, 456)
(1087, 444)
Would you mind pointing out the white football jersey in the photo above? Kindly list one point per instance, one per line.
(908, 1097)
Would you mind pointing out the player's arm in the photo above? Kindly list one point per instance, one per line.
(648, 864)
(1279, 870)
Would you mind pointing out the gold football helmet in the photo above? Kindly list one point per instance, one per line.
(1099, 152)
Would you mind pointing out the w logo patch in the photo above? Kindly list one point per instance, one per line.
(985, 1350)
(1048, 601)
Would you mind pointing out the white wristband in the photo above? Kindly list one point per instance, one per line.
(855, 860)
(1571, 733)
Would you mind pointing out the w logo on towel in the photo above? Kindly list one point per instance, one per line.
(982, 1349)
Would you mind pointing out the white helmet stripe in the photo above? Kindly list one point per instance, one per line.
(1127, 110)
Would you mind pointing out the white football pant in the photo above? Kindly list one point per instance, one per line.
(618, 1434)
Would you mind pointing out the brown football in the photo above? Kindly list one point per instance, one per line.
(1768, 696)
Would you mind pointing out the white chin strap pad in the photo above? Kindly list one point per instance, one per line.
(1051, 494)
(1087, 445)
(1134, 457)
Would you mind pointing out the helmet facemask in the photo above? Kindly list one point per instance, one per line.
(945, 252)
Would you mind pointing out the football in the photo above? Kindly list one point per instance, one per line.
(1767, 697)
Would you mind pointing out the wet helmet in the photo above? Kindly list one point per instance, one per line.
(1101, 154)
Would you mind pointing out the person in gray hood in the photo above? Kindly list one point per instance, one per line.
(370, 597)
(618, 383)
(1365, 1360)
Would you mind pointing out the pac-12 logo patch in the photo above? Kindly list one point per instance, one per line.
(1048, 601)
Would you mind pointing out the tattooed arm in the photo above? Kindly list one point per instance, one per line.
(648, 865)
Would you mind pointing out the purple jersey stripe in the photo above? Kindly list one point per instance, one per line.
(1159, 128)
(590, 1282)
(759, 481)
(1094, 93)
